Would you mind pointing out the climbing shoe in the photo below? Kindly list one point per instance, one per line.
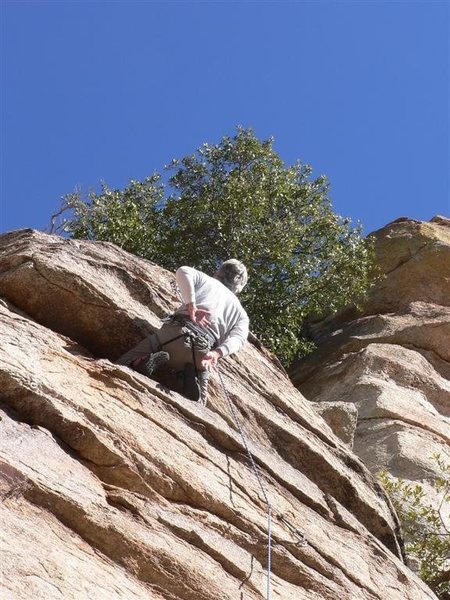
(156, 360)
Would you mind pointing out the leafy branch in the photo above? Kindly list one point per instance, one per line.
(426, 530)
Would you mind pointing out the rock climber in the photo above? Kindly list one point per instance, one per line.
(209, 325)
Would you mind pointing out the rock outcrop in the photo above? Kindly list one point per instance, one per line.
(392, 360)
(113, 486)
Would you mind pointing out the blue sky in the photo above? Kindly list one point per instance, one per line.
(115, 90)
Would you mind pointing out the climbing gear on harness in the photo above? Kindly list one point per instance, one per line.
(196, 336)
(149, 355)
(195, 384)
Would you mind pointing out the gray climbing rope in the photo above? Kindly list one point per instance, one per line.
(258, 477)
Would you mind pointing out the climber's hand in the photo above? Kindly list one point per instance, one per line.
(209, 361)
(199, 315)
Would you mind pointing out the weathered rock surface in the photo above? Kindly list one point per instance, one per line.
(115, 487)
(415, 256)
(342, 417)
(392, 360)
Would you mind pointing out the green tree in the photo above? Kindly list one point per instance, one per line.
(426, 531)
(238, 199)
(128, 218)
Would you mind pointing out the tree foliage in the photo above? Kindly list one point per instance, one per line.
(426, 531)
(127, 218)
(238, 199)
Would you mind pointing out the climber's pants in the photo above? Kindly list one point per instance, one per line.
(146, 347)
(169, 338)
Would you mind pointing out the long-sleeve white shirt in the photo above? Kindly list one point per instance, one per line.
(229, 321)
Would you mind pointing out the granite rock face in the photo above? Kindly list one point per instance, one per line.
(113, 486)
(342, 417)
(392, 360)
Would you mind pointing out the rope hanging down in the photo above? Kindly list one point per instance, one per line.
(258, 477)
(294, 530)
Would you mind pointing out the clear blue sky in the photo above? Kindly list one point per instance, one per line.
(115, 90)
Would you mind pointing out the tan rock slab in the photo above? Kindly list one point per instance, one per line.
(162, 489)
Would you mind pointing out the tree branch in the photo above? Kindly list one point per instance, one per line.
(443, 577)
(51, 227)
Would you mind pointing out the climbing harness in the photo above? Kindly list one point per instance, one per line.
(197, 339)
(197, 336)
(301, 537)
